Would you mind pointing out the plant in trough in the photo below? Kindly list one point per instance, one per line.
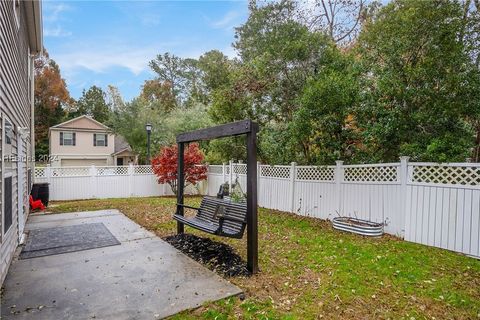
(236, 193)
(165, 166)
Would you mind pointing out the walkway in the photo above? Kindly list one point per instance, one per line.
(142, 278)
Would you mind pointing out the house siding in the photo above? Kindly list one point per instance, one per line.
(83, 144)
(16, 76)
(84, 152)
(83, 124)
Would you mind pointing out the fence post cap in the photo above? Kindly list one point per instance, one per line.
(404, 158)
(339, 162)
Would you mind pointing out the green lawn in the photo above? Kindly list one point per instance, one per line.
(309, 270)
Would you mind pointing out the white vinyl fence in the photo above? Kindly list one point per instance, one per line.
(92, 182)
(73, 183)
(428, 203)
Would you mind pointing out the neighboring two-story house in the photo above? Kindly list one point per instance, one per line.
(83, 141)
(20, 40)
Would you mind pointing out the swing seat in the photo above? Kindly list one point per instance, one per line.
(217, 216)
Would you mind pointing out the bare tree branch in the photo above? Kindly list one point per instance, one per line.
(357, 20)
(339, 19)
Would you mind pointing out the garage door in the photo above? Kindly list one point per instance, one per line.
(83, 162)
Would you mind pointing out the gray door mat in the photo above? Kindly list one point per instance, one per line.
(51, 241)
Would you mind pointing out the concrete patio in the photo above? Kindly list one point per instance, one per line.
(143, 278)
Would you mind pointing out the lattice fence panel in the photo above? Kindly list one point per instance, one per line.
(316, 173)
(275, 171)
(240, 168)
(371, 174)
(70, 171)
(142, 170)
(215, 169)
(112, 171)
(462, 175)
(40, 172)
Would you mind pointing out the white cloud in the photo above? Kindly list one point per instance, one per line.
(101, 61)
(227, 21)
(52, 10)
(53, 14)
(56, 32)
(144, 12)
(150, 19)
(103, 57)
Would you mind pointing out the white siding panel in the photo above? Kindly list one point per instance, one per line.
(274, 193)
(70, 188)
(214, 183)
(408, 214)
(467, 222)
(315, 199)
(393, 204)
(113, 186)
(475, 227)
(145, 186)
(446, 217)
(437, 238)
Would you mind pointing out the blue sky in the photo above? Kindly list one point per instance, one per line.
(111, 42)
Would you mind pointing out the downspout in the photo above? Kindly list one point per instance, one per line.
(32, 115)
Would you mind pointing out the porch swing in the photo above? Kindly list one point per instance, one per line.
(224, 217)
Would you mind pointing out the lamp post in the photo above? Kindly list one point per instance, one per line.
(148, 127)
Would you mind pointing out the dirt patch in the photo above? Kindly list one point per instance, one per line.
(217, 256)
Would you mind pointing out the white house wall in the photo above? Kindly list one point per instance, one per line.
(16, 96)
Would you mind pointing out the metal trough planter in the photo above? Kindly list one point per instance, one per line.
(358, 226)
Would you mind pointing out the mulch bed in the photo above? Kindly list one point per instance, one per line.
(217, 256)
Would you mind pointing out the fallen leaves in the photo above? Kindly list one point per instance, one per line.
(309, 271)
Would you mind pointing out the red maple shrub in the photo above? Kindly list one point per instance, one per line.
(164, 166)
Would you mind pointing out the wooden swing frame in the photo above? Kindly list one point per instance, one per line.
(245, 127)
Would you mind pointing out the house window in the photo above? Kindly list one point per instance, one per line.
(100, 140)
(8, 143)
(16, 10)
(8, 132)
(67, 138)
(7, 200)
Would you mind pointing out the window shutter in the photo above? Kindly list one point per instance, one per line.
(73, 138)
(94, 139)
(106, 140)
(61, 138)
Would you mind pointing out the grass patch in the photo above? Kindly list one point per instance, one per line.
(309, 270)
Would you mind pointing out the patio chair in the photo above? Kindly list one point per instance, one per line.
(36, 204)
(217, 216)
